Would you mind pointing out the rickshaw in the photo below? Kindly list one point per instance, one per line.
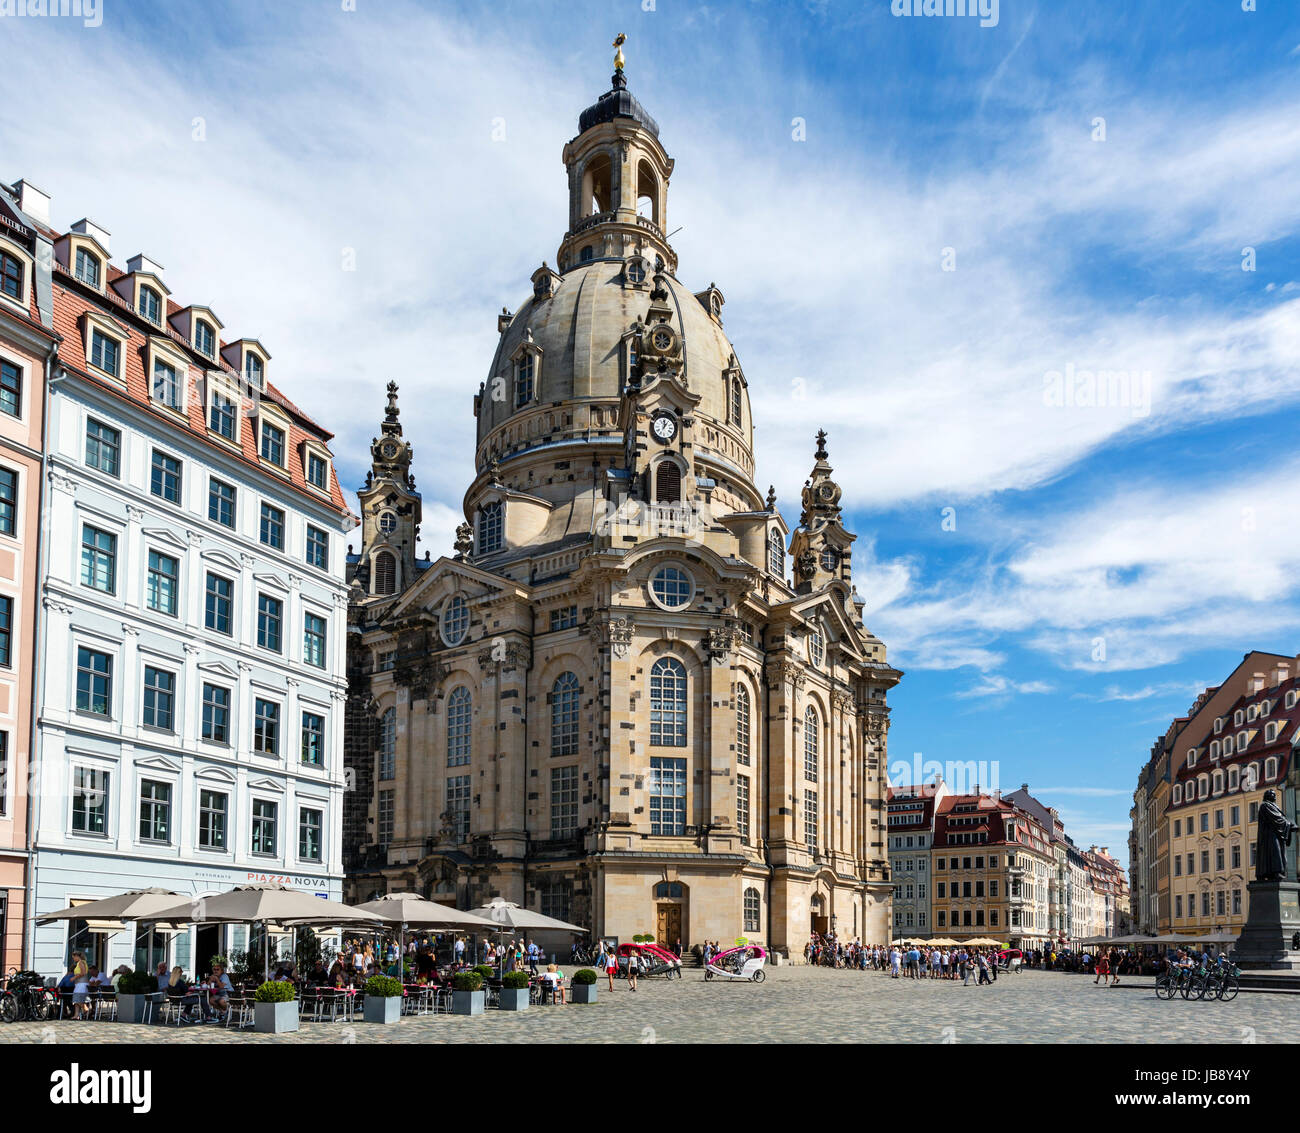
(742, 963)
(655, 961)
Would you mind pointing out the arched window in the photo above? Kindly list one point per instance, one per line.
(811, 728)
(742, 725)
(491, 527)
(669, 890)
(564, 715)
(87, 267)
(776, 554)
(388, 744)
(455, 620)
(596, 194)
(668, 483)
(668, 703)
(647, 192)
(753, 906)
(385, 573)
(460, 711)
(584, 257)
(737, 401)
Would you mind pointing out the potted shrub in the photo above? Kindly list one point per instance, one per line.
(467, 995)
(383, 1000)
(582, 988)
(275, 1010)
(486, 971)
(514, 991)
(133, 992)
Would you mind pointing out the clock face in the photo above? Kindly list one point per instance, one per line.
(389, 450)
(665, 428)
(662, 340)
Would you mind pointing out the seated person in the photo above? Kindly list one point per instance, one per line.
(554, 981)
(222, 990)
(162, 975)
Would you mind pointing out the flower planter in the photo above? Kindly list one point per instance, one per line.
(382, 1008)
(130, 1008)
(582, 993)
(275, 1018)
(514, 999)
(468, 1002)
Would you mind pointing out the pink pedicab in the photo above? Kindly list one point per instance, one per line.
(743, 963)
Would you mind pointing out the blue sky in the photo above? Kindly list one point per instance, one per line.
(254, 148)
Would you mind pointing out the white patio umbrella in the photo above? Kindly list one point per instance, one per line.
(135, 905)
(266, 904)
(507, 915)
(410, 910)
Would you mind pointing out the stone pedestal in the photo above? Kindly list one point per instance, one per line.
(1273, 920)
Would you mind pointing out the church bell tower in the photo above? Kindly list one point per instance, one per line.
(390, 509)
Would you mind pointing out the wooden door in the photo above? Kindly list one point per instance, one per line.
(668, 926)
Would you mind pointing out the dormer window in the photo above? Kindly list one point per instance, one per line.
(166, 384)
(223, 416)
(1191, 757)
(150, 305)
(1214, 749)
(272, 447)
(1218, 725)
(635, 271)
(317, 471)
(87, 269)
(525, 370)
(1243, 741)
(105, 353)
(1238, 718)
(776, 554)
(11, 276)
(254, 371)
(205, 339)
(491, 527)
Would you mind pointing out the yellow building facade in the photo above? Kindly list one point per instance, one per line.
(632, 698)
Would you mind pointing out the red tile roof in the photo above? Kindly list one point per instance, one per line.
(72, 300)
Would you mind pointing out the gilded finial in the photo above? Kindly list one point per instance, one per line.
(619, 40)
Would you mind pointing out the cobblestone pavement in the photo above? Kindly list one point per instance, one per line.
(795, 1004)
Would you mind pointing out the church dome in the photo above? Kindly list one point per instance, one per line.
(579, 337)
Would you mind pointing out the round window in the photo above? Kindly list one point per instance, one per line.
(455, 620)
(388, 523)
(829, 559)
(672, 588)
(636, 271)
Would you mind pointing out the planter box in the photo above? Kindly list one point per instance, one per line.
(130, 1008)
(468, 1002)
(514, 999)
(382, 1008)
(582, 993)
(275, 1018)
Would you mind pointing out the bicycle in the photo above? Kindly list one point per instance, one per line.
(1225, 983)
(25, 997)
(1172, 981)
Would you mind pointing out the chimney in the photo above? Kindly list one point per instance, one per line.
(85, 227)
(141, 262)
(33, 201)
(1025, 787)
(1257, 683)
(1281, 671)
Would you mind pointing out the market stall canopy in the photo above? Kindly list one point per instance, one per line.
(984, 942)
(414, 911)
(246, 904)
(507, 915)
(135, 905)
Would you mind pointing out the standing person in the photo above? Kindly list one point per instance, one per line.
(611, 963)
(532, 956)
(895, 962)
(459, 949)
(993, 967)
(633, 966)
(1103, 969)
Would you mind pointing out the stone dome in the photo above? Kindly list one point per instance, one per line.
(578, 335)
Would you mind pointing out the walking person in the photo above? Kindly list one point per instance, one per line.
(633, 966)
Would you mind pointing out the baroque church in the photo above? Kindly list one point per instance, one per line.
(622, 701)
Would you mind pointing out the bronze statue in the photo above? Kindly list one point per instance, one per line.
(1272, 836)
